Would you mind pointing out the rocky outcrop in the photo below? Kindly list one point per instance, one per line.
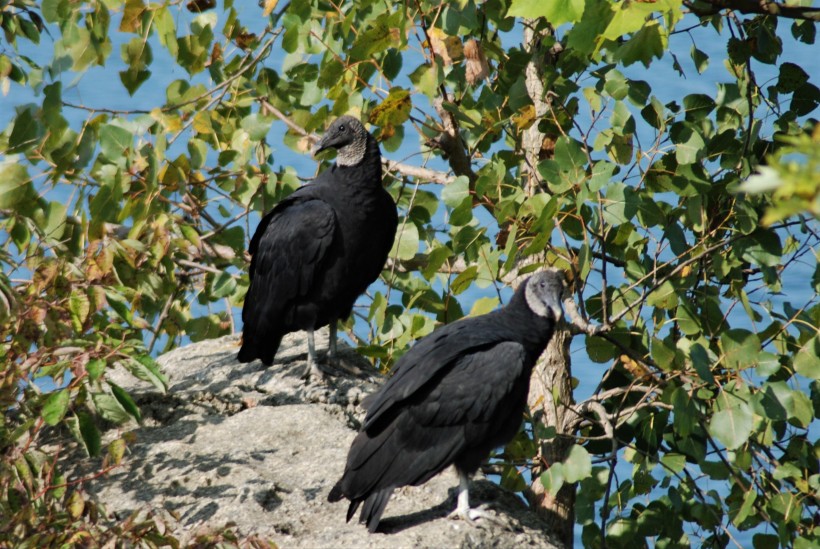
(261, 448)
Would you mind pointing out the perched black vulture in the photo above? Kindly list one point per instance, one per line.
(455, 396)
(319, 248)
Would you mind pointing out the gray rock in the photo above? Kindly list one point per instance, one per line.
(257, 447)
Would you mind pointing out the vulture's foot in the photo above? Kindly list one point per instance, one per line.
(472, 515)
(314, 374)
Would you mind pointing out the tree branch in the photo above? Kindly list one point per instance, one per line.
(406, 170)
(762, 7)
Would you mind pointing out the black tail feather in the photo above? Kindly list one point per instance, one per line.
(335, 493)
(374, 507)
(351, 509)
(251, 350)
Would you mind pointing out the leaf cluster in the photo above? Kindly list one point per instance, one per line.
(125, 232)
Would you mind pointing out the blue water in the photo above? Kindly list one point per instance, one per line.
(97, 88)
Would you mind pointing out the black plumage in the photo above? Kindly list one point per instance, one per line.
(455, 396)
(318, 250)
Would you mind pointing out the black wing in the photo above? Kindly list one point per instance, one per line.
(287, 252)
(428, 357)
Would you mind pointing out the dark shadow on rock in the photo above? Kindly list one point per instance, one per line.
(203, 514)
(268, 500)
(395, 524)
(482, 492)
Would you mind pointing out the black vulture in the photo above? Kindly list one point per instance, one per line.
(456, 395)
(320, 248)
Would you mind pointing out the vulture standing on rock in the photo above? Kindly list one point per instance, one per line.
(319, 248)
(456, 395)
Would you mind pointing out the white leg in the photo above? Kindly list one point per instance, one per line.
(463, 510)
(463, 507)
(331, 353)
(313, 370)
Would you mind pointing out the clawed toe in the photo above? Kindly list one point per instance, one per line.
(481, 513)
(313, 374)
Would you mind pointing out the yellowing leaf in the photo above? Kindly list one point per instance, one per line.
(394, 110)
(448, 48)
(270, 5)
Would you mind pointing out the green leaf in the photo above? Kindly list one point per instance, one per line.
(791, 78)
(620, 204)
(577, 465)
(690, 146)
(224, 285)
(427, 79)
(807, 359)
(740, 348)
(664, 297)
(95, 367)
(132, 79)
(15, 183)
(109, 408)
(80, 306)
(483, 305)
(56, 406)
(649, 42)
(125, 401)
(145, 368)
(767, 364)
(765, 541)
(553, 478)
(406, 244)
(746, 508)
(557, 12)
(762, 247)
(662, 354)
(55, 220)
(687, 318)
(119, 304)
(732, 426)
(785, 508)
(464, 279)
(115, 141)
(382, 33)
(700, 59)
(701, 362)
(456, 192)
(90, 435)
(25, 133)
(673, 462)
(257, 126)
(166, 30)
(600, 350)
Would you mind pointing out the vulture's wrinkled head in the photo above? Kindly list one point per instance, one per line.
(544, 293)
(348, 136)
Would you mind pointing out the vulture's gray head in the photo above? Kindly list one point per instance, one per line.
(544, 293)
(348, 136)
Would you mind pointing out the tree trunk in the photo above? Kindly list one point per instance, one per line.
(551, 387)
(550, 400)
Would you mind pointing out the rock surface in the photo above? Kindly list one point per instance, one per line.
(261, 448)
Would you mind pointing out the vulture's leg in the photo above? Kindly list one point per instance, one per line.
(313, 370)
(463, 510)
(331, 353)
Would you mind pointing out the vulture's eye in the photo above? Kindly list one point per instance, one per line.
(342, 128)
